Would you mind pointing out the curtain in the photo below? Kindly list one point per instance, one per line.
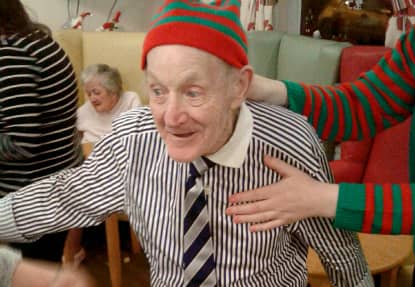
(257, 14)
(401, 21)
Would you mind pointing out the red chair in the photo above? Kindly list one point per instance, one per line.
(381, 160)
(351, 167)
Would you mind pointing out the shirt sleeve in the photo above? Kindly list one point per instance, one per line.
(339, 251)
(8, 261)
(380, 98)
(78, 197)
(376, 208)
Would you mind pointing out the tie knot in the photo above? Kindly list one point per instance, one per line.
(199, 166)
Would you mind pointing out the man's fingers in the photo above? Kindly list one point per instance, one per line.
(283, 168)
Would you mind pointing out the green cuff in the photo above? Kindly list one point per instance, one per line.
(350, 209)
(296, 96)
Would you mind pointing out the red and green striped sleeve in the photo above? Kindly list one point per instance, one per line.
(373, 208)
(380, 98)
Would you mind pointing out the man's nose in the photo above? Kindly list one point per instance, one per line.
(176, 113)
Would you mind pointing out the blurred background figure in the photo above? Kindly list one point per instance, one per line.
(106, 100)
(38, 102)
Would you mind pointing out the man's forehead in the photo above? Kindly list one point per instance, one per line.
(179, 51)
(184, 77)
(184, 61)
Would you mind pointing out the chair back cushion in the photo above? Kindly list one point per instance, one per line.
(283, 56)
(359, 59)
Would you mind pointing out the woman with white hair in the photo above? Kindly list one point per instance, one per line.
(105, 101)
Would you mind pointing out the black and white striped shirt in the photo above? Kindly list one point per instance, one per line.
(38, 102)
(130, 171)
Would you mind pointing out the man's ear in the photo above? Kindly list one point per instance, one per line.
(242, 82)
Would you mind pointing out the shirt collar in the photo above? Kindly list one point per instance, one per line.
(233, 153)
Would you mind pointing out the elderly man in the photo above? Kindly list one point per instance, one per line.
(172, 167)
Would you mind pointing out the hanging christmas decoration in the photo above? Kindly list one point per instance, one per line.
(111, 25)
(74, 20)
(77, 22)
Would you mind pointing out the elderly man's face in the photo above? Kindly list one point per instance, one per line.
(193, 98)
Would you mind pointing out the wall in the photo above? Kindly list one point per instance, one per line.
(136, 14)
(288, 16)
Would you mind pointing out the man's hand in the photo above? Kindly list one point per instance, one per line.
(295, 197)
(267, 90)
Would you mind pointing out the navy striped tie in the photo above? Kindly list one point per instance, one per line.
(198, 260)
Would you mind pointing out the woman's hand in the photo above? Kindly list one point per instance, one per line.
(267, 90)
(294, 197)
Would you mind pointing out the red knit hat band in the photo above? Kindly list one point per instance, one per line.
(211, 26)
(197, 36)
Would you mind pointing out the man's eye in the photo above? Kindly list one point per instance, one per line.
(157, 92)
(192, 94)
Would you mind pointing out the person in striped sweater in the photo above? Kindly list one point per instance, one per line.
(38, 102)
(380, 98)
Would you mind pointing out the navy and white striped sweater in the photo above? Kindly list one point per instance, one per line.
(38, 102)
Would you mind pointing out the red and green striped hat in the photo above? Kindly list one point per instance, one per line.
(212, 26)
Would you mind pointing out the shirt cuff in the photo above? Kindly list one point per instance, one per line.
(296, 96)
(8, 227)
(8, 261)
(350, 209)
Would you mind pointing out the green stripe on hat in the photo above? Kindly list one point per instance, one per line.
(204, 22)
(219, 12)
(196, 24)
(207, 10)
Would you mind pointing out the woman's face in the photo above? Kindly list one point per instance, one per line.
(101, 99)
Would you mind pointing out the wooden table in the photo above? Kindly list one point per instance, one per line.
(384, 254)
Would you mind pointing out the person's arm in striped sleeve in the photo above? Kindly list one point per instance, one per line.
(78, 197)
